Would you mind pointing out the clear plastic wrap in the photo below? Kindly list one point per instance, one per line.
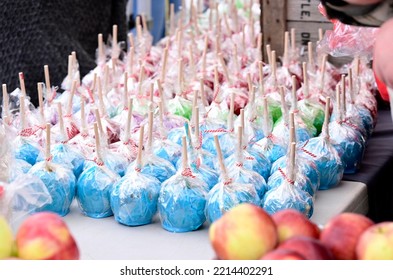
(134, 199)
(349, 144)
(252, 161)
(244, 176)
(18, 167)
(112, 160)
(167, 149)
(226, 195)
(65, 154)
(93, 190)
(26, 148)
(328, 162)
(24, 196)
(5, 154)
(287, 196)
(301, 182)
(270, 147)
(154, 166)
(180, 106)
(60, 182)
(182, 202)
(304, 166)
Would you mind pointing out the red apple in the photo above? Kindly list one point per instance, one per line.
(376, 242)
(310, 248)
(341, 234)
(246, 232)
(45, 236)
(291, 222)
(283, 254)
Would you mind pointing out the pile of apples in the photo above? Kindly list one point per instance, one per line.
(248, 232)
(41, 236)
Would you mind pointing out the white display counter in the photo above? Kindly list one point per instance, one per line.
(105, 239)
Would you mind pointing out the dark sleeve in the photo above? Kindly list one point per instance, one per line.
(372, 15)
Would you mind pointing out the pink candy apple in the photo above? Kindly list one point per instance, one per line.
(246, 232)
(376, 242)
(291, 222)
(45, 236)
(341, 234)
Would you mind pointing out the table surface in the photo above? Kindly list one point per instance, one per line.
(105, 239)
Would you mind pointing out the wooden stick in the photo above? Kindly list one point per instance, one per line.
(203, 94)
(274, 67)
(294, 95)
(293, 40)
(138, 29)
(61, 121)
(291, 169)
(22, 83)
(236, 58)
(6, 108)
(261, 83)
(326, 121)
(162, 95)
(98, 144)
(70, 71)
(101, 99)
(71, 97)
(101, 52)
(150, 131)
(227, 27)
(98, 121)
(224, 66)
(125, 92)
(242, 120)
(164, 63)
(41, 100)
(105, 87)
(310, 52)
(320, 34)
(131, 60)
(306, 87)
(22, 110)
(286, 48)
(220, 158)
(269, 54)
(185, 156)
(240, 142)
(47, 148)
(292, 133)
(47, 82)
(259, 46)
(131, 40)
(172, 19)
(195, 98)
(250, 88)
(94, 84)
(83, 115)
(129, 120)
(140, 147)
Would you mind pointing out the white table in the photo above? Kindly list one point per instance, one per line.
(105, 239)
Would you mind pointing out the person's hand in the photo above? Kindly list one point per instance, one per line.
(383, 54)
